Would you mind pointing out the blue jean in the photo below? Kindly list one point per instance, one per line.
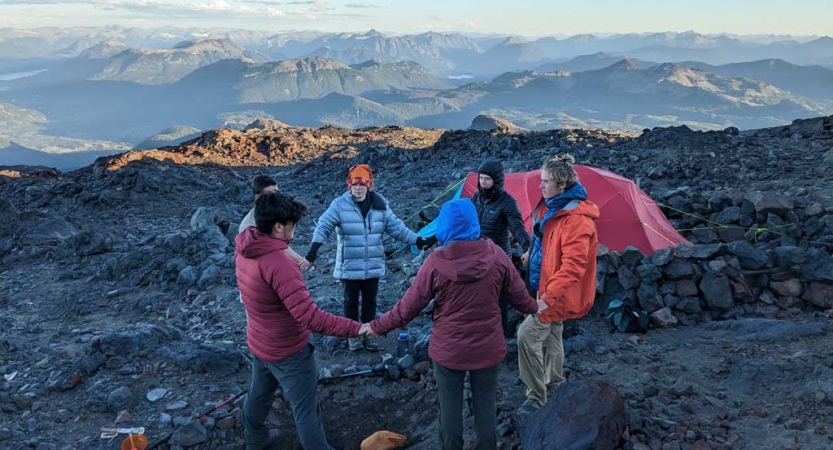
(299, 379)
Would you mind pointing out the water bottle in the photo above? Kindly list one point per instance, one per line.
(402, 345)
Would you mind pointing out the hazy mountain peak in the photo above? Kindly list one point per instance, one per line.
(310, 64)
(161, 66)
(488, 122)
(514, 40)
(266, 124)
(104, 50)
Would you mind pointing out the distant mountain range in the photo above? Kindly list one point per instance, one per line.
(440, 53)
(112, 94)
(167, 66)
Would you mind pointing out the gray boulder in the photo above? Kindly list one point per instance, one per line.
(649, 297)
(819, 266)
(789, 256)
(89, 243)
(50, 232)
(819, 294)
(9, 218)
(749, 256)
(586, 414)
(716, 291)
(770, 202)
(678, 269)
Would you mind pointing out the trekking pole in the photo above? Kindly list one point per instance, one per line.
(201, 415)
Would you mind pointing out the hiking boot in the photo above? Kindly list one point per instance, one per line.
(370, 345)
(530, 406)
(355, 344)
(273, 439)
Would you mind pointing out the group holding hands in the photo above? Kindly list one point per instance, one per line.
(470, 277)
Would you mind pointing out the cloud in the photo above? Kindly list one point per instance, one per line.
(161, 7)
(317, 5)
(437, 18)
(362, 6)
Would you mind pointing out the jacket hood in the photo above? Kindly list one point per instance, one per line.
(580, 207)
(466, 261)
(494, 169)
(254, 244)
(458, 222)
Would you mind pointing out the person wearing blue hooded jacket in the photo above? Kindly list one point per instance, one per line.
(466, 277)
(360, 218)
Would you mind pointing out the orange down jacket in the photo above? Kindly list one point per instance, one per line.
(568, 265)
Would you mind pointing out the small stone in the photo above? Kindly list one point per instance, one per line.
(156, 394)
(423, 367)
(761, 412)
(324, 374)
(387, 358)
(164, 419)
(794, 424)
(394, 373)
(687, 288)
(663, 318)
(176, 406)
(406, 361)
(682, 387)
(123, 416)
(120, 399)
(226, 423)
(191, 433)
(5, 434)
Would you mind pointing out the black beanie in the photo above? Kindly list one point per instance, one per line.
(494, 169)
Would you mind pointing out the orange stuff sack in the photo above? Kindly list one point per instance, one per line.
(383, 440)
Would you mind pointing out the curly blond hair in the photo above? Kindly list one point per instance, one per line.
(560, 167)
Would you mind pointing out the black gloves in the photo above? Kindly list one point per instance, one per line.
(426, 243)
(313, 251)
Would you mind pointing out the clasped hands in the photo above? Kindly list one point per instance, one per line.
(366, 330)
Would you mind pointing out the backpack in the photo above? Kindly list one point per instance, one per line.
(625, 319)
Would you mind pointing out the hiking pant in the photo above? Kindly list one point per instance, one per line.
(299, 380)
(367, 289)
(540, 357)
(450, 384)
(504, 318)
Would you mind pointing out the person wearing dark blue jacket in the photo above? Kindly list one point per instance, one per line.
(498, 214)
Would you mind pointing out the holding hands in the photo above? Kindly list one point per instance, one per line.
(426, 243)
(365, 330)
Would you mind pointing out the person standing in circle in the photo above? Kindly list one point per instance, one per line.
(360, 218)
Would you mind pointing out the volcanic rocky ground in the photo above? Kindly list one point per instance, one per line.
(119, 307)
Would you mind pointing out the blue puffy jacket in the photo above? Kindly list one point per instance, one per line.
(360, 253)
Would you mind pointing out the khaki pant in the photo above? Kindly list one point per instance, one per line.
(540, 357)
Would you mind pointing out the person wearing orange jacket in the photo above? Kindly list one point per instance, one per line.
(562, 269)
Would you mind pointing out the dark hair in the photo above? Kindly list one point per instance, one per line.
(262, 182)
(274, 207)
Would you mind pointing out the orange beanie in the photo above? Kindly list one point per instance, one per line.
(360, 174)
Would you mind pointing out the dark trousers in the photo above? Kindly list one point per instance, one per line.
(450, 394)
(508, 327)
(368, 289)
(299, 380)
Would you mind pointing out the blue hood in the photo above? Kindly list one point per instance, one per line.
(458, 222)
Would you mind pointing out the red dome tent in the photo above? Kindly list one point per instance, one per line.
(628, 215)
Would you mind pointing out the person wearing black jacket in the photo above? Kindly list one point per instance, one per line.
(499, 214)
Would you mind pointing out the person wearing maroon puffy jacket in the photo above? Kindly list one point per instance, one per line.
(281, 315)
(466, 277)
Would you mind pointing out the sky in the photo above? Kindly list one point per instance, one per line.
(524, 17)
